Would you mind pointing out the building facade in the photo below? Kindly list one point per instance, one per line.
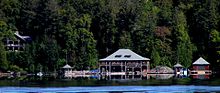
(124, 62)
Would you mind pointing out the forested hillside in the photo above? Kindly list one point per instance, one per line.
(82, 31)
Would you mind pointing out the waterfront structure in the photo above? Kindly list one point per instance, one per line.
(67, 69)
(201, 67)
(124, 62)
(178, 68)
(16, 43)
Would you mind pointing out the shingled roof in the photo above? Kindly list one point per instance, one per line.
(124, 54)
(201, 61)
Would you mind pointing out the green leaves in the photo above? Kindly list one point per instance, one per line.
(167, 31)
(184, 48)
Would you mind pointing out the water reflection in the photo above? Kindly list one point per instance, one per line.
(110, 80)
(155, 79)
(135, 77)
(122, 77)
(200, 76)
(117, 77)
(162, 76)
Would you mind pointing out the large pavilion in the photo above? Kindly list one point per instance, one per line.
(124, 62)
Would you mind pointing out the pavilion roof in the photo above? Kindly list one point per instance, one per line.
(124, 54)
(67, 66)
(201, 61)
(178, 65)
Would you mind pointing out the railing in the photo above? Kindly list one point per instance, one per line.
(200, 72)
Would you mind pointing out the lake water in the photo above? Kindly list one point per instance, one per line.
(113, 89)
(152, 84)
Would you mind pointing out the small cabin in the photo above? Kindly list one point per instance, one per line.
(177, 68)
(124, 62)
(17, 43)
(200, 67)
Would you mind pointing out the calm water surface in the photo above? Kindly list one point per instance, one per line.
(93, 85)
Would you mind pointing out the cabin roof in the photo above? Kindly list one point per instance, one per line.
(123, 54)
(201, 61)
(178, 65)
(67, 66)
(24, 38)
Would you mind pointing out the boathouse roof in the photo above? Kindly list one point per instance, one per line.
(124, 54)
(201, 61)
(178, 65)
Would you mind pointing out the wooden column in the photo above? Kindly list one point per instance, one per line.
(133, 70)
(125, 67)
(148, 66)
(109, 67)
(132, 76)
(121, 67)
(106, 64)
(141, 68)
(99, 71)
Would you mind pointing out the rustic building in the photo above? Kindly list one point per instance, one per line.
(17, 43)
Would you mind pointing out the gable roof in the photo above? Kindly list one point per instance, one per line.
(24, 38)
(67, 66)
(124, 54)
(201, 61)
(178, 65)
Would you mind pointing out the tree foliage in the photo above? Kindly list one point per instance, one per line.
(79, 32)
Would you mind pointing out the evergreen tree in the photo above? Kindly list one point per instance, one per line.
(184, 47)
(143, 31)
(3, 59)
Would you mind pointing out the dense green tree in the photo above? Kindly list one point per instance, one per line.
(162, 43)
(155, 57)
(78, 32)
(202, 18)
(10, 10)
(215, 43)
(3, 59)
(184, 47)
(143, 30)
(165, 13)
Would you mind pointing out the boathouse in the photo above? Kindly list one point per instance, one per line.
(124, 62)
(200, 66)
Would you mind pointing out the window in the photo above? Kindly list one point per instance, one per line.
(117, 56)
(6, 48)
(127, 56)
(16, 42)
(21, 48)
(10, 42)
(16, 48)
(10, 49)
